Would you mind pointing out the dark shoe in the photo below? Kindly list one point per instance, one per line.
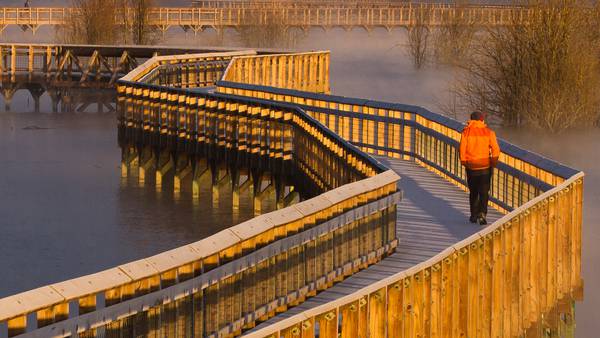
(473, 219)
(482, 220)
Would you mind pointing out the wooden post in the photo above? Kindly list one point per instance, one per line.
(407, 307)
(31, 57)
(576, 235)
(534, 279)
(484, 328)
(13, 62)
(473, 264)
(446, 298)
(462, 264)
(551, 289)
(328, 324)
(363, 323)
(417, 321)
(48, 62)
(394, 310)
(308, 328)
(561, 245)
(377, 314)
(497, 284)
(305, 82)
(515, 229)
(507, 239)
(349, 320)
(1, 61)
(281, 71)
(542, 245)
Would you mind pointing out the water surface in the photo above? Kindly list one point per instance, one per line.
(61, 192)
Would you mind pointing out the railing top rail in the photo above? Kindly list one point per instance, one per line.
(508, 148)
(307, 314)
(284, 54)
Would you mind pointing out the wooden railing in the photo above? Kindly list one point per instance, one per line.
(92, 63)
(184, 71)
(33, 16)
(333, 3)
(228, 282)
(300, 71)
(496, 283)
(339, 15)
(398, 130)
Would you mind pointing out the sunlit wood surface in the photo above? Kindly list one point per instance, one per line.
(432, 216)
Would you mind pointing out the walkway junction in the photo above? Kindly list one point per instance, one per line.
(219, 15)
(380, 248)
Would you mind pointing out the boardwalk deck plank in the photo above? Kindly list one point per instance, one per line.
(432, 216)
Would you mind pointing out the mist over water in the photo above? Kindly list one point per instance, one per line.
(367, 65)
(66, 212)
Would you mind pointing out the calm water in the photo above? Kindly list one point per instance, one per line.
(65, 212)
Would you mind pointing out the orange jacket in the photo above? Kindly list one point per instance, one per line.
(479, 148)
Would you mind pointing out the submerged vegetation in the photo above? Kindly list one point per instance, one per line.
(544, 73)
(109, 22)
(267, 28)
(127, 21)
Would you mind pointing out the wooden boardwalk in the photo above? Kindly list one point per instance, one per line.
(432, 216)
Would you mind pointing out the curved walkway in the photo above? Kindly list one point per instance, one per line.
(432, 216)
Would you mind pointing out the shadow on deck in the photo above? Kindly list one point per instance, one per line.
(432, 216)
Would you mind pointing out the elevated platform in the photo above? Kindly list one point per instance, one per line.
(432, 216)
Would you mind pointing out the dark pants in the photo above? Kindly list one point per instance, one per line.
(479, 190)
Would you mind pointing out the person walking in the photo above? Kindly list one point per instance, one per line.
(479, 153)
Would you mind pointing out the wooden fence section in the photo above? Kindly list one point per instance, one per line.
(299, 71)
(248, 273)
(398, 130)
(219, 17)
(184, 71)
(93, 64)
(496, 283)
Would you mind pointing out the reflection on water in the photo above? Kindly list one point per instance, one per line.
(235, 183)
(558, 323)
(29, 94)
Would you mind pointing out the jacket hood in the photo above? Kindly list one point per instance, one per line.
(476, 124)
